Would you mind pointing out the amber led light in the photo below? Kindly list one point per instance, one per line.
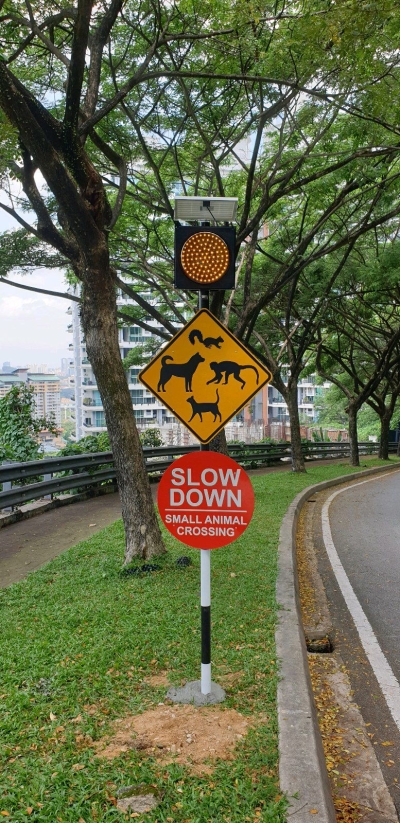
(205, 257)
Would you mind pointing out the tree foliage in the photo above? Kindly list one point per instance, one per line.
(330, 408)
(19, 426)
(87, 445)
(358, 347)
(101, 442)
(151, 438)
(119, 106)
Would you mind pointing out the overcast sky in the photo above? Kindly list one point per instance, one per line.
(33, 327)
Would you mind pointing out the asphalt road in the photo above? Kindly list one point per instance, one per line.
(360, 566)
(365, 526)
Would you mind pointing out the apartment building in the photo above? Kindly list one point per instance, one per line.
(307, 392)
(46, 391)
(269, 406)
(8, 380)
(88, 408)
(266, 408)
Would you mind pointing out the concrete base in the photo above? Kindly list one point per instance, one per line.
(191, 693)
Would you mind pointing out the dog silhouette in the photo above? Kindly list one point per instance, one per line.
(202, 408)
(185, 370)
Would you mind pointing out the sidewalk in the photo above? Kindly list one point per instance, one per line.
(29, 544)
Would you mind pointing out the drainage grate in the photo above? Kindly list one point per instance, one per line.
(319, 645)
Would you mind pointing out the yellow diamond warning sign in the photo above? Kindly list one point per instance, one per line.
(204, 375)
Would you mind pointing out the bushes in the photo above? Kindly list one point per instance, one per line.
(101, 443)
(19, 427)
(92, 443)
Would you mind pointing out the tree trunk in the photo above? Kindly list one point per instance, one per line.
(219, 444)
(85, 213)
(353, 436)
(384, 436)
(295, 437)
(99, 323)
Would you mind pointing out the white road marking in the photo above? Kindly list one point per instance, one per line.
(387, 681)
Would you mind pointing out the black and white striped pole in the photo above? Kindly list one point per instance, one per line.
(204, 259)
(205, 606)
(205, 578)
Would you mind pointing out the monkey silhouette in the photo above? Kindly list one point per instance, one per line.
(227, 368)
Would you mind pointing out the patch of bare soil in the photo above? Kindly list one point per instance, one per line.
(186, 734)
(225, 678)
(157, 680)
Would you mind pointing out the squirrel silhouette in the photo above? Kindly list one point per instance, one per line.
(208, 342)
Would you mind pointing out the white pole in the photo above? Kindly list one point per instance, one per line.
(205, 601)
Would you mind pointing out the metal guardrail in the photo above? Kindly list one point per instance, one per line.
(61, 474)
(75, 472)
(19, 471)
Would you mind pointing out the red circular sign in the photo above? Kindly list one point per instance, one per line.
(206, 500)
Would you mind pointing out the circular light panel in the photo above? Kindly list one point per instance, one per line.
(205, 257)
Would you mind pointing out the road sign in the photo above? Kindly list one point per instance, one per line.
(205, 375)
(206, 500)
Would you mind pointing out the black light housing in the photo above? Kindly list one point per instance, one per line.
(204, 257)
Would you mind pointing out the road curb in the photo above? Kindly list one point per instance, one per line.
(302, 769)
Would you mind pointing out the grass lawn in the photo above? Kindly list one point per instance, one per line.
(77, 642)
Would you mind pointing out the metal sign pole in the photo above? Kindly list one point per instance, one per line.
(205, 605)
(205, 578)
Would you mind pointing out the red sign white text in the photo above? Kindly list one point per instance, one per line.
(206, 500)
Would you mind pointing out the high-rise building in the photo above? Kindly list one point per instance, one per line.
(38, 368)
(7, 367)
(46, 391)
(8, 380)
(65, 367)
(266, 408)
(89, 412)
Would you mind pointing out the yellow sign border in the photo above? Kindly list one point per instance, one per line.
(237, 342)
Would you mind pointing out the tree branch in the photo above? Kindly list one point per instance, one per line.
(76, 69)
(98, 41)
(16, 104)
(64, 295)
(144, 304)
(142, 76)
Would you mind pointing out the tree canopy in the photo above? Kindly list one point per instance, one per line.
(109, 109)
